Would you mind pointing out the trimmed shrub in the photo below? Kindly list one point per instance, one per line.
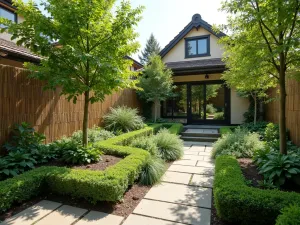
(239, 203)
(123, 119)
(107, 185)
(170, 147)
(240, 144)
(210, 109)
(226, 130)
(152, 171)
(176, 128)
(290, 216)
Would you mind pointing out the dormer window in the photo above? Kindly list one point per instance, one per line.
(7, 14)
(197, 46)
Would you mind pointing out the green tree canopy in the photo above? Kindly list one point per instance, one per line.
(152, 47)
(263, 45)
(92, 41)
(156, 82)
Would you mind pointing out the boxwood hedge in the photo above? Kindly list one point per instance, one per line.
(107, 185)
(239, 203)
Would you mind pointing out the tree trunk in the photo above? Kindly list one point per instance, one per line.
(85, 118)
(282, 121)
(155, 110)
(255, 108)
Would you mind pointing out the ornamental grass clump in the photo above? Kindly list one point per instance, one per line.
(241, 144)
(123, 119)
(152, 171)
(170, 147)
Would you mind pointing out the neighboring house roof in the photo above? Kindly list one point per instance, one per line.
(138, 64)
(16, 52)
(197, 66)
(196, 22)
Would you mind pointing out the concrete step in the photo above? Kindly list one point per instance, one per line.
(199, 139)
(189, 134)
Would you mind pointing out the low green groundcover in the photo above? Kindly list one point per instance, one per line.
(239, 203)
(107, 185)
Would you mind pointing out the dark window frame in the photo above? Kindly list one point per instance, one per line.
(196, 38)
(11, 11)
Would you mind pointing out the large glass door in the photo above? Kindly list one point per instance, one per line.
(208, 103)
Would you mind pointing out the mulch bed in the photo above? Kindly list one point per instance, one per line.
(250, 171)
(107, 161)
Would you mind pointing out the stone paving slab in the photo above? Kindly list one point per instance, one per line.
(205, 153)
(202, 131)
(191, 169)
(32, 214)
(64, 215)
(174, 177)
(191, 153)
(181, 194)
(187, 144)
(202, 180)
(173, 212)
(190, 143)
(143, 220)
(186, 148)
(197, 148)
(208, 149)
(205, 164)
(208, 159)
(100, 218)
(186, 162)
(193, 157)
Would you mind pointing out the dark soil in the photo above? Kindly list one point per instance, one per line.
(106, 161)
(250, 171)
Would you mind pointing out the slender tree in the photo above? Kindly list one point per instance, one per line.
(92, 42)
(264, 40)
(156, 82)
(152, 47)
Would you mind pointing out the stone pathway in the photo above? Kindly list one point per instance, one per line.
(53, 213)
(185, 194)
(183, 197)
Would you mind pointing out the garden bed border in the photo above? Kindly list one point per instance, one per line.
(107, 185)
(239, 203)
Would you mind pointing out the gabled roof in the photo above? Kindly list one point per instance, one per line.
(196, 22)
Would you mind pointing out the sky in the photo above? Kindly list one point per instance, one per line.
(166, 18)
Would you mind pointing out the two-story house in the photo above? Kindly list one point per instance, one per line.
(201, 97)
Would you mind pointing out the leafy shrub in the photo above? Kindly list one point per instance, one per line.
(24, 139)
(152, 171)
(289, 216)
(145, 143)
(25, 150)
(170, 147)
(238, 203)
(259, 127)
(81, 155)
(240, 143)
(225, 130)
(277, 167)
(95, 134)
(123, 119)
(210, 109)
(219, 116)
